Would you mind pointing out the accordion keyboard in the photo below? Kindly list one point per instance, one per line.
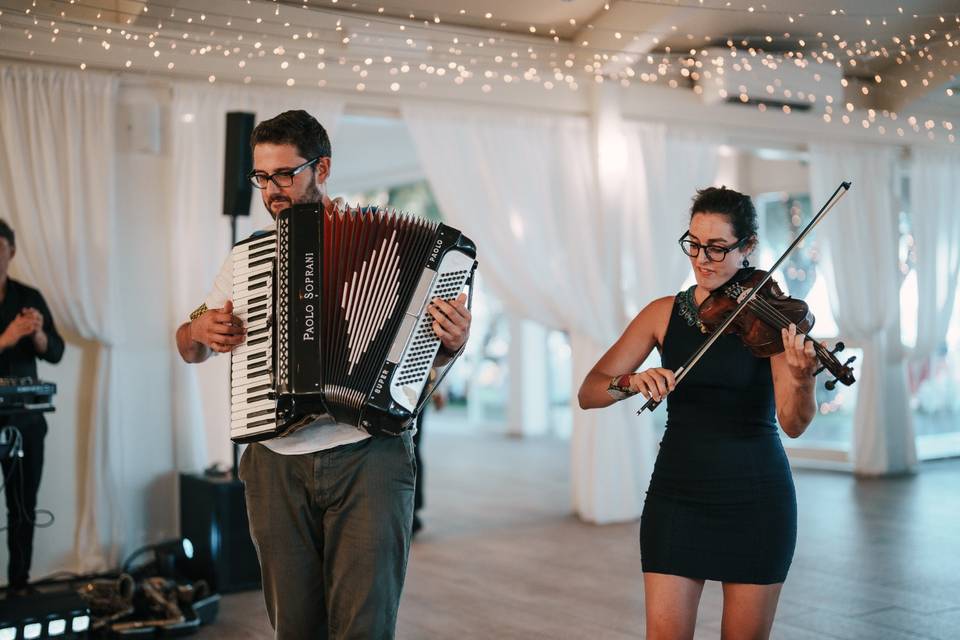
(252, 401)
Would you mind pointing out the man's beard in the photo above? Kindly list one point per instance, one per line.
(311, 196)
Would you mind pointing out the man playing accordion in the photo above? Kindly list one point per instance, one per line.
(330, 507)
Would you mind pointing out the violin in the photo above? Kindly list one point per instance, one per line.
(760, 323)
(768, 313)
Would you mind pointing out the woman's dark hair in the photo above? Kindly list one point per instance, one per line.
(7, 232)
(737, 206)
(297, 128)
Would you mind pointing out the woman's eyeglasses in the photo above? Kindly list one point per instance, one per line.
(715, 252)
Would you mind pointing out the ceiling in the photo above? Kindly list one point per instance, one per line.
(365, 44)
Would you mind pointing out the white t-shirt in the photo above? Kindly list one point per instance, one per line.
(323, 434)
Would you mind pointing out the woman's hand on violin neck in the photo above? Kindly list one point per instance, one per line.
(800, 354)
(654, 383)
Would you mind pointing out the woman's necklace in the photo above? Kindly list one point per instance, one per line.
(688, 309)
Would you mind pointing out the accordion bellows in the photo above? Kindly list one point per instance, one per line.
(335, 308)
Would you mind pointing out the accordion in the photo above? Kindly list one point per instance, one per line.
(335, 308)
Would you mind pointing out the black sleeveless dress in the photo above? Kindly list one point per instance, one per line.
(721, 503)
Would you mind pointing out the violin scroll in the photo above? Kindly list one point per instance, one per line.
(841, 372)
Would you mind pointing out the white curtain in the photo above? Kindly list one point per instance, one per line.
(860, 237)
(665, 167)
(934, 219)
(200, 240)
(57, 179)
(672, 165)
(523, 188)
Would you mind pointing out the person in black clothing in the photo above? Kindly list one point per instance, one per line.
(28, 333)
(721, 503)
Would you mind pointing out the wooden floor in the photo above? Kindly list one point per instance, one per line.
(501, 557)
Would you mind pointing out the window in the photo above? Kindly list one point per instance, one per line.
(782, 216)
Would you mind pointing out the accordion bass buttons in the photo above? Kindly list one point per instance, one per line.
(418, 346)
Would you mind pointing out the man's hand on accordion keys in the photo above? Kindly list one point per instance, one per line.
(451, 322)
(219, 329)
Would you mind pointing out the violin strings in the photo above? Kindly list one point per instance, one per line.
(773, 315)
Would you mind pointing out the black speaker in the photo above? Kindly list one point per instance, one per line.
(237, 163)
(213, 515)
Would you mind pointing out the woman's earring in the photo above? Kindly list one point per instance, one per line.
(746, 263)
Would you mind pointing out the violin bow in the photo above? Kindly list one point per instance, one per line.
(682, 371)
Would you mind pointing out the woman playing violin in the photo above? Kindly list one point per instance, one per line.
(721, 503)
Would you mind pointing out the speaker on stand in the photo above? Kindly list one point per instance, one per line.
(237, 164)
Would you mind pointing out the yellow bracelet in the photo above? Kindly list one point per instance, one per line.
(199, 311)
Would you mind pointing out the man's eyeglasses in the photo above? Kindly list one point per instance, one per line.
(282, 179)
(715, 252)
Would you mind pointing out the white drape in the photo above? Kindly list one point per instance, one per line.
(934, 198)
(665, 168)
(860, 238)
(57, 177)
(673, 164)
(523, 188)
(200, 240)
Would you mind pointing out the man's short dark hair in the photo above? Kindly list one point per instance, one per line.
(7, 232)
(737, 206)
(297, 128)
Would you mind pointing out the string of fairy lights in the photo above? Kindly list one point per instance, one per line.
(901, 40)
(382, 47)
(599, 55)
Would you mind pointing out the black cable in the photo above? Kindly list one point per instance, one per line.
(125, 568)
(19, 500)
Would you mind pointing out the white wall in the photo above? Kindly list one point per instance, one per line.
(148, 483)
(760, 174)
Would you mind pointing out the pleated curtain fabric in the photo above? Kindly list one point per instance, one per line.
(860, 243)
(525, 188)
(935, 223)
(668, 165)
(57, 177)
